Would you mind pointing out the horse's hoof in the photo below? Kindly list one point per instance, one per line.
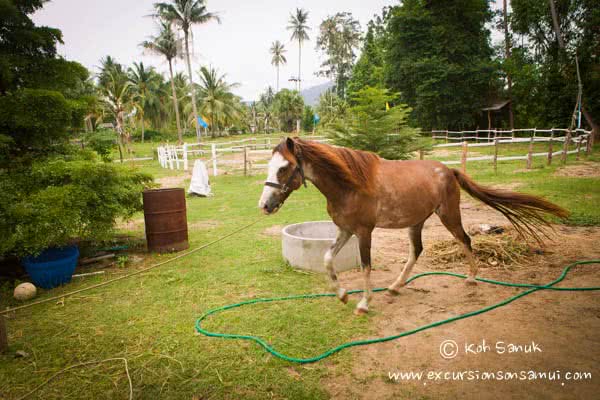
(470, 282)
(343, 296)
(360, 311)
(392, 292)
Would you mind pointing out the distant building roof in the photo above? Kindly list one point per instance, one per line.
(498, 105)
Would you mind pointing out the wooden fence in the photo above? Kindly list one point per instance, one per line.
(254, 153)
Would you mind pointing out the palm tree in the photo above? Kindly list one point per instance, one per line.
(277, 50)
(184, 14)
(116, 101)
(167, 45)
(297, 25)
(144, 82)
(218, 103)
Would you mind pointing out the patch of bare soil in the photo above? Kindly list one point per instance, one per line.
(564, 325)
(583, 170)
(274, 230)
(131, 225)
(172, 181)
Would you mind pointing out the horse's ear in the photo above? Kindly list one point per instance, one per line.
(290, 144)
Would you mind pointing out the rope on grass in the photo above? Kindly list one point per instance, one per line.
(531, 288)
(185, 254)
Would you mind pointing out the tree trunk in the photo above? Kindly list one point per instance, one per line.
(143, 131)
(591, 123)
(561, 44)
(277, 77)
(175, 104)
(511, 117)
(299, 64)
(192, 88)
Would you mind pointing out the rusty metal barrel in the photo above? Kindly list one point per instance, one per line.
(165, 219)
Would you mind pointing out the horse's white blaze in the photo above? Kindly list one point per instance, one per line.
(276, 162)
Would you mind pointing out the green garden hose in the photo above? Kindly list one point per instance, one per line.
(270, 349)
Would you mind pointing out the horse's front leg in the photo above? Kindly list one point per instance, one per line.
(364, 241)
(341, 239)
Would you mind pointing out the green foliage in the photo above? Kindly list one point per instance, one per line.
(308, 119)
(339, 37)
(288, 106)
(56, 201)
(370, 127)
(331, 108)
(438, 56)
(34, 118)
(102, 142)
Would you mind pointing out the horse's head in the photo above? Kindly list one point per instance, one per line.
(285, 175)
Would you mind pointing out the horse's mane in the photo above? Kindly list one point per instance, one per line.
(353, 169)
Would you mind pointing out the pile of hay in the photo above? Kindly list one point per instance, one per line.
(506, 250)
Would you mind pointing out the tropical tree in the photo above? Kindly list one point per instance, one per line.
(331, 108)
(339, 37)
(116, 99)
(144, 83)
(185, 14)
(265, 107)
(277, 51)
(299, 28)
(288, 106)
(369, 122)
(217, 103)
(168, 46)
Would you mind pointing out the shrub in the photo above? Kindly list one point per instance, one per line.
(370, 126)
(102, 141)
(56, 201)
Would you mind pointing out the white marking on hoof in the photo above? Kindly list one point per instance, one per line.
(362, 307)
(470, 281)
(342, 294)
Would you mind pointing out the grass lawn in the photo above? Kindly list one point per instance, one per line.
(149, 319)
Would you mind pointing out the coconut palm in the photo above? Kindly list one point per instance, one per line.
(299, 28)
(168, 46)
(184, 14)
(218, 103)
(144, 82)
(277, 50)
(116, 96)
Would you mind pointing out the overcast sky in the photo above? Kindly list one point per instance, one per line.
(238, 47)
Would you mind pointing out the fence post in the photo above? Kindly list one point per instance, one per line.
(578, 147)
(563, 156)
(463, 159)
(550, 147)
(3, 335)
(185, 157)
(245, 160)
(421, 154)
(530, 152)
(446, 135)
(495, 156)
(588, 143)
(214, 158)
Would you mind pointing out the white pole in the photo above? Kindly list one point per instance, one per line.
(185, 157)
(214, 157)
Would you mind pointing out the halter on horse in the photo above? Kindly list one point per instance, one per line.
(364, 191)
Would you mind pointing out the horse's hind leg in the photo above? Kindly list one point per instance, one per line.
(341, 239)
(415, 250)
(449, 213)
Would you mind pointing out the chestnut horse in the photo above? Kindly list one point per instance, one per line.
(364, 191)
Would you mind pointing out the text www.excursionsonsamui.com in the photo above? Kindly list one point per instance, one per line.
(476, 375)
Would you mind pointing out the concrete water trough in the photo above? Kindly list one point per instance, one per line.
(304, 245)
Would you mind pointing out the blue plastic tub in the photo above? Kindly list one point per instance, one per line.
(53, 267)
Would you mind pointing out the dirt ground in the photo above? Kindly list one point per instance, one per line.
(565, 326)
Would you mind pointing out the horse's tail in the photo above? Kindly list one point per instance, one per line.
(525, 212)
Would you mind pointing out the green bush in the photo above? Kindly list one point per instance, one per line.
(56, 201)
(103, 141)
(370, 125)
(34, 118)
